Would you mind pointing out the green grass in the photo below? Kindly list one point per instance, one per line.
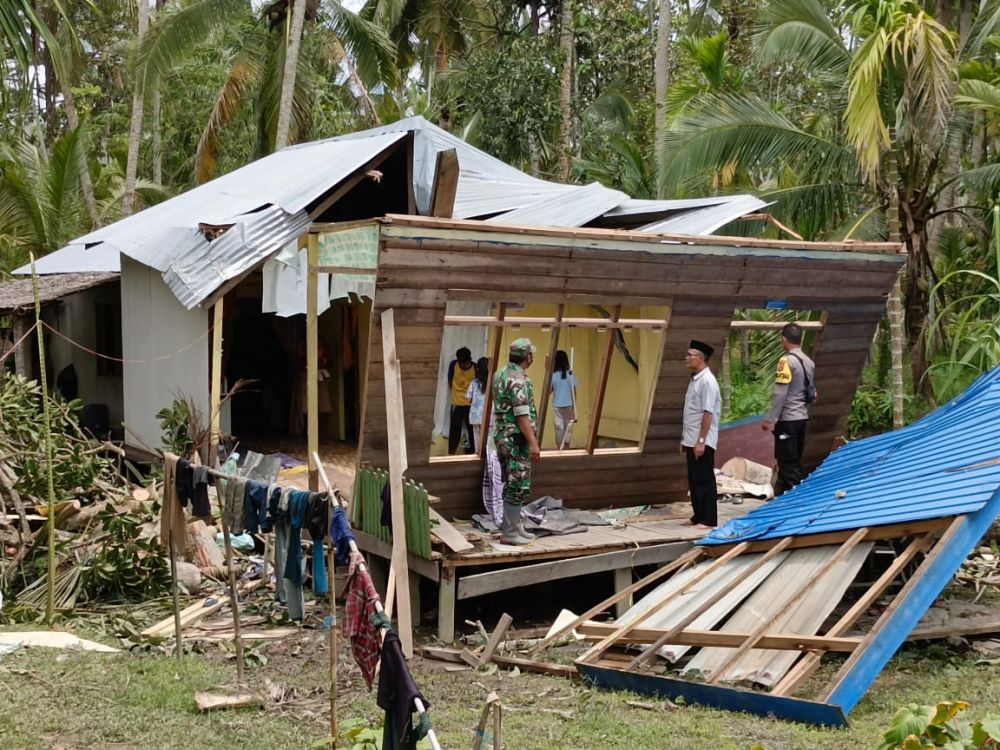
(70, 700)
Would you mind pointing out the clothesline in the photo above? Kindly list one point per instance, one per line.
(335, 496)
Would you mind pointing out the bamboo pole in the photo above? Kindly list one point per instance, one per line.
(50, 522)
(312, 359)
(216, 395)
(234, 602)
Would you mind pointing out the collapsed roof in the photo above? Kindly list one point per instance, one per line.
(262, 206)
(759, 603)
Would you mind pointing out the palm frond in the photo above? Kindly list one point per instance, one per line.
(985, 179)
(801, 30)
(709, 54)
(929, 52)
(244, 77)
(978, 96)
(866, 130)
(174, 34)
(367, 43)
(62, 197)
(985, 24)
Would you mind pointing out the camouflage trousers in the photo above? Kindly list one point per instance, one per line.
(515, 469)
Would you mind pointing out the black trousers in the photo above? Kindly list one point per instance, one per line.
(459, 422)
(701, 483)
(789, 440)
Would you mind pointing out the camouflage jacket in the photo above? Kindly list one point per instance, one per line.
(513, 396)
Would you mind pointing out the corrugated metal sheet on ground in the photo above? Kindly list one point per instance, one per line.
(946, 464)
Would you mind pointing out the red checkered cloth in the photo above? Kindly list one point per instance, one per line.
(366, 642)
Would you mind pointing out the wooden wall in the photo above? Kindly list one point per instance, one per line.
(421, 267)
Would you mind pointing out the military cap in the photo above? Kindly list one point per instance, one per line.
(522, 347)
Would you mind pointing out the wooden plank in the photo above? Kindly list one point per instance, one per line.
(312, 363)
(395, 426)
(446, 172)
(649, 653)
(700, 575)
(680, 563)
(448, 534)
(216, 385)
(446, 606)
(495, 638)
(808, 664)
(500, 580)
(602, 386)
(802, 589)
(623, 579)
(717, 639)
(352, 181)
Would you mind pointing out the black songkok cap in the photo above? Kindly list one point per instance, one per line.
(702, 347)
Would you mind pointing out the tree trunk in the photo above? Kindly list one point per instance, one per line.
(86, 186)
(896, 334)
(298, 21)
(661, 69)
(135, 131)
(156, 145)
(565, 91)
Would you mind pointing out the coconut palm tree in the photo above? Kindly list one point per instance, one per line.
(258, 67)
(891, 92)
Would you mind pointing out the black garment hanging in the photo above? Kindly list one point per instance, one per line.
(396, 693)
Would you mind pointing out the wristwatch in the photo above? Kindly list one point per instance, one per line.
(701, 441)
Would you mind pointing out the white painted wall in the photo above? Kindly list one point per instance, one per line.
(154, 325)
(75, 317)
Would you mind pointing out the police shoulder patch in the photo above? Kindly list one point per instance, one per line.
(784, 373)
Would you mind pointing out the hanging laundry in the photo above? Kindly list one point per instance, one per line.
(396, 692)
(315, 523)
(297, 505)
(200, 505)
(255, 496)
(233, 505)
(183, 481)
(282, 531)
(386, 498)
(172, 522)
(362, 619)
(340, 530)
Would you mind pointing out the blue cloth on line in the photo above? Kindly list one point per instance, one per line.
(255, 506)
(316, 523)
(340, 530)
(298, 504)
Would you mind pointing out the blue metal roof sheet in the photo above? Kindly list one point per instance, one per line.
(946, 464)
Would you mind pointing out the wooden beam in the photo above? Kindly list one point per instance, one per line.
(451, 537)
(495, 638)
(342, 269)
(312, 361)
(488, 404)
(21, 353)
(775, 325)
(803, 588)
(594, 653)
(808, 664)
(650, 652)
(480, 584)
(351, 182)
(446, 172)
(216, 386)
(558, 322)
(602, 387)
(875, 533)
(549, 363)
(372, 544)
(396, 430)
(718, 639)
(680, 563)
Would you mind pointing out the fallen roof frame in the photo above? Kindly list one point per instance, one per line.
(944, 544)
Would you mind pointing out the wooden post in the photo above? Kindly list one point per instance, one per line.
(397, 465)
(216, 385)
(234, 601)
(178, 647)
(484, 433)
(623, 579)
(549, 365)
(21, 353)
(312, 360)
(447, 591)
(602, 387)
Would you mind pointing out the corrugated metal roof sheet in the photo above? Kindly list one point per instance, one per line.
(946, 464)
(265, 200)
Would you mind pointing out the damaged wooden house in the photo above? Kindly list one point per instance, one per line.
(279, 273)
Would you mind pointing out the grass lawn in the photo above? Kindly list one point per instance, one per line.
(65, 700)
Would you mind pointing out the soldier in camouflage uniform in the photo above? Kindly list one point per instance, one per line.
(514, 436)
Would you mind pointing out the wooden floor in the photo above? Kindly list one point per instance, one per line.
(670, 526)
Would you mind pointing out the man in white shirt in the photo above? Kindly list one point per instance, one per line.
(700, 434)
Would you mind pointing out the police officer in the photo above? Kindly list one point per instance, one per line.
(789, 415)
(514, 436)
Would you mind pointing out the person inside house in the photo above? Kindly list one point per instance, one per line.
(789, 415)
(492, 475)
(700, 434)
(461, 372)
(563, 388)
(515, 435)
